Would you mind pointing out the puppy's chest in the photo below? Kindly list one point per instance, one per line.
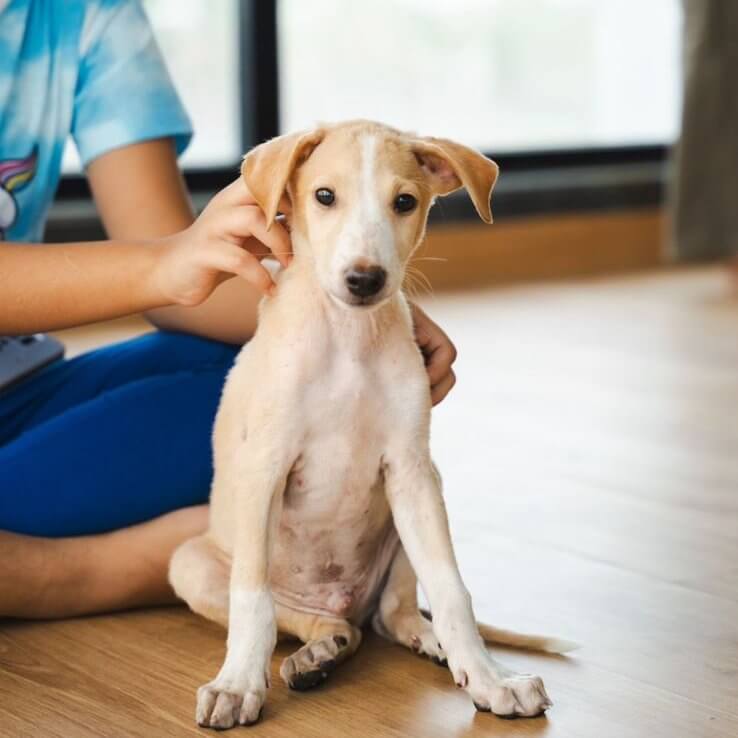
(342, 426)
(343, 396)
(335, 531)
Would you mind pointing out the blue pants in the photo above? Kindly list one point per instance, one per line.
(111, 438)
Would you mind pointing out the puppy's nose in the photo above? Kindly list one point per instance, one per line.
(365, 281)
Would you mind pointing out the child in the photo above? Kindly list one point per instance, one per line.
(105, 459)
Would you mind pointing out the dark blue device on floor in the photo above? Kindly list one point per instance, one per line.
(21, 356)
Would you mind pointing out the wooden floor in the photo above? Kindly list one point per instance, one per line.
(590, 454)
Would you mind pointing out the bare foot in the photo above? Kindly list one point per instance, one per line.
(143, 552)
(62, 577)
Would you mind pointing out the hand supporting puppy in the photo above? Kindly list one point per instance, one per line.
(438, 352)
(229, 238)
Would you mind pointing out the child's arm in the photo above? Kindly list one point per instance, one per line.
(46, 287)
(52, 287)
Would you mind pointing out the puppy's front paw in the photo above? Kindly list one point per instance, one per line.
(220, 707)
(514, 695)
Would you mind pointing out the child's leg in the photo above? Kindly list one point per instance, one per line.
(63, 577)
(100, 442)
(68, 383)
(126, 455)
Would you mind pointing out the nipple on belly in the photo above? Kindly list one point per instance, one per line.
(341, 601)
(331, 572)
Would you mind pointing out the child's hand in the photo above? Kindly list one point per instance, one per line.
(438, 351)
(229, 238)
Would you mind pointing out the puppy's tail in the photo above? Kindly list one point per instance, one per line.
(502, 637)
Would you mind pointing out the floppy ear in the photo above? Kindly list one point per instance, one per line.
(450, 166)
(268, 167)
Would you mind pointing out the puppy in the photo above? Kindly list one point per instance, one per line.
(325, 502)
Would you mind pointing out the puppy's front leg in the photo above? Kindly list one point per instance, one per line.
(256, 476)
(414, 492)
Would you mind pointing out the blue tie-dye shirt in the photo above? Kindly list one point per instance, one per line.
(91, 70)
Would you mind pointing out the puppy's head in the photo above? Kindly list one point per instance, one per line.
(360, 194)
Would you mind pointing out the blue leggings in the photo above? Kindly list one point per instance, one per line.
(111, 438)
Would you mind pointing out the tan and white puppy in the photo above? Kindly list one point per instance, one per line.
(325, 502)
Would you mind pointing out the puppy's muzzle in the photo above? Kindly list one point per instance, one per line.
(364, 282)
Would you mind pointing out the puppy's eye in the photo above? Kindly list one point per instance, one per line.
(404, 203)
(325, 196)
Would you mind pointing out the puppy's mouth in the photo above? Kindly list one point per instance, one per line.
(362, 303)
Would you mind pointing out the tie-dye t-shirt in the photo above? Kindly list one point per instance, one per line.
(90, 69)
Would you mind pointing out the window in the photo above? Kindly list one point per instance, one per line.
(199, 41)
(580, 98)
(501, 75)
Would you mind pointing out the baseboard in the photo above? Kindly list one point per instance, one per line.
(464, 255)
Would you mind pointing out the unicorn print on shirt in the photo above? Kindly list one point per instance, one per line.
(14, 175)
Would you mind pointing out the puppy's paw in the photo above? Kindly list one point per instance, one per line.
(221, 707)
(411, 630)
(514, 695)
(311, 664)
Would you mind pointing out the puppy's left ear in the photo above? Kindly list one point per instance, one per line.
(450, 166)
(267, 168)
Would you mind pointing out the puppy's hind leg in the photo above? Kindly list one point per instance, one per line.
(199, 574)
(398, 618)
(328, 642)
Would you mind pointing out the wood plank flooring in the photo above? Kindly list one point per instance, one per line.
(590, 458)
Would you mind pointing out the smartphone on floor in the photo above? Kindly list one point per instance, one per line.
(21, 356)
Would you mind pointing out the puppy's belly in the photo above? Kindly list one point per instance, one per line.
(334, 547)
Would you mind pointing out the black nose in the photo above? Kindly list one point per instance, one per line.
(365, 281)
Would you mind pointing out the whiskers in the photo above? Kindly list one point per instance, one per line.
(416, 282)
(373, 325)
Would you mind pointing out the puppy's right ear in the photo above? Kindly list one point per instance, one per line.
(268, 167)
(450, 165)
